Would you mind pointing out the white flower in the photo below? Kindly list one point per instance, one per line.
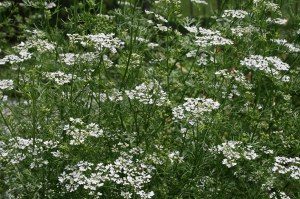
(250, 154)
(162, 27)
(60, 77)
(270, 65)
(191, 53)
(192, 29)
(79, 131)
(240, 31)
(212, 40)
(291, 47)
(239, 14)
(200, 2)
(71, 58)
(285, 78)
(149, 93)
(208, 32)
(234, 151)
(125, 171)
(5, 4)
(6, 84)
(50, 5)
(100, 41)
(152, 45)
(175, 156)
(270, 6)
(23, 56)
(278, 21)
(193, 109)
(285, 165)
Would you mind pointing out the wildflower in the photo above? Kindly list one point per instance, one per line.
(200, 2)
(239, 14)
(270, 65)
(278, 21)
(175, 156)
(162, 27)
(281, 195)
(6, 84)
(270, 6)
(19, 149)
(124, 171)
(100, 41)
(36, 41)
(71, 58)
(212, 40)
(192, 29)
(204, 59)
(208, 32)
(12, 59)
(206, 41)
(5, 4)
(60, 77)
(285, 78)
(148, 93)
(240, 31)
(235, 75)
(191, 53)
(285, 165)
(50, 5)
(234, 151)
(193, 109)
(79, 131)
(291, 47)
(152, 45)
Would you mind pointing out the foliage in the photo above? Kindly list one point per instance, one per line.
(132, 103)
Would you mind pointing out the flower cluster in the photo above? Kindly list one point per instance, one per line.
(209, 37)
(146, 93)
(235, 75)
(79, 131)
(6, 84)
(149, 93)
(233, 151)
(278, 21)
(214, 40)
(193, 109)
(100, 41)
(18, 149)
(241, 31)
(21, 57)
(174, 156)
(270, 65)
(114, 96)
(285, 165)
(49, 5)
(35, 41)
(291, 47)
(267, 5)
(41, 45)
(200, 2)
(125, 171)
(162, 28)
(71, 58)
(203, 58)
(157, 16)
(59, 77)
(5, 4)
(280, 195)
(238, 14)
